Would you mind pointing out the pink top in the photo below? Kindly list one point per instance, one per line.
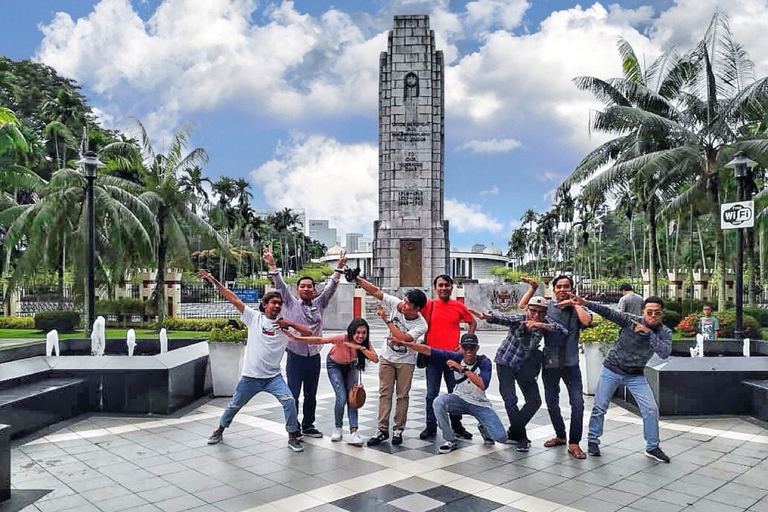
(340, 353)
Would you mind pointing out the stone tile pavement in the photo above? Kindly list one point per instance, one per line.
(111, 464)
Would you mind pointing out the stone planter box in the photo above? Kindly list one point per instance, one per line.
(226, 361)
(594, 355)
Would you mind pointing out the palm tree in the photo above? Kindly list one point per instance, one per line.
(171, 207)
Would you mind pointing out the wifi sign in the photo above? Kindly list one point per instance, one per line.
(737, 215)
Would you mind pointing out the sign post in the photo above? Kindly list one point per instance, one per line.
(737, 215)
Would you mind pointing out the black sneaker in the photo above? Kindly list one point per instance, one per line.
(312, 432)
(427, 434)
(593, 449)
(523, 445)
(378, 438)
(463, 433)
(216, 437)
(397, 436)
(656, 453)
(295, 445)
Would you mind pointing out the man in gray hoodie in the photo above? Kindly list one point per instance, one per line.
(639, 338)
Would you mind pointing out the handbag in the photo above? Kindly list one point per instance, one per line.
(356, 397)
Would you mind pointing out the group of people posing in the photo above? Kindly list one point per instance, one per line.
(427, 333)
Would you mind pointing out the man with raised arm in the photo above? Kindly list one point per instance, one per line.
(472, 375)
(444, 317)
(561, 362)
(639, 338)
(396, 362)
(303, 365)
(261, 365)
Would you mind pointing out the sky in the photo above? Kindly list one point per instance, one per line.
(285, 94)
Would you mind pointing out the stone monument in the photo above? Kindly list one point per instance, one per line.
(410, 244)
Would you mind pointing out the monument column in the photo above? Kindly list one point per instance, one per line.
(410, 244)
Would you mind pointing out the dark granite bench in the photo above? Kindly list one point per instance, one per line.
(5, 462)
(32, 406)
(759, 398)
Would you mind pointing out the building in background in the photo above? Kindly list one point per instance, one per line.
(353, 242)
(476, 248)
(319, 230)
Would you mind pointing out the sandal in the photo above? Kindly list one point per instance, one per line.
(575, 451)
(555, 441)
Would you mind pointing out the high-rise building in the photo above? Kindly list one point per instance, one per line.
(353, 242)
(319, 230)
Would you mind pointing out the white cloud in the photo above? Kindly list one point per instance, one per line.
(505, 14)
(490, 146)
(331, 180)
(465, 218)
(494, 191)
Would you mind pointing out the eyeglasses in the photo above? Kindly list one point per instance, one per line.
(654, 312)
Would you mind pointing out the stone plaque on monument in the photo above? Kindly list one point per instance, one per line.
(410, 243)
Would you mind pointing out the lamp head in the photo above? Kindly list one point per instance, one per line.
(90, 163)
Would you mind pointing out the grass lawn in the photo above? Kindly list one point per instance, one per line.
(111, 333)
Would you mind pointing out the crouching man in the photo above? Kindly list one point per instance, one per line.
(472, 374)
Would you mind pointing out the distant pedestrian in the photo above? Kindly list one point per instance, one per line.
(709, 325)
(630, 302)
(261, 366)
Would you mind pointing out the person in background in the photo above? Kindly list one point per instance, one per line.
(630, 302)
(709, 325)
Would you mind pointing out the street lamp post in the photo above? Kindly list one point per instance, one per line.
(90, 163)
(741, 168)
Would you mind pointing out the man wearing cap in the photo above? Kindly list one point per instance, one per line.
(471, 374)
(518, 359)
(630, 302)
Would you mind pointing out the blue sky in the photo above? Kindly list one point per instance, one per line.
(285, 93)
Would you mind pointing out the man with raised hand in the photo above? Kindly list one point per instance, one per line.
(444, 317)
(472, 375)
(639, 338)
(396, 362)
(261, 365)
(561, 362)
(303, 365)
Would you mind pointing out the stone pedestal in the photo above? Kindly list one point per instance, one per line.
(701, 279)
(676, 280)
(646, 282)
(410, 244)
(172, 288)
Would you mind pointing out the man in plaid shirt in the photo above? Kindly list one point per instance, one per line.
(518, 359)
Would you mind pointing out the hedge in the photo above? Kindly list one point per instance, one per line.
(195, 324)
(63, 321)
(228, 334)
(14, 322)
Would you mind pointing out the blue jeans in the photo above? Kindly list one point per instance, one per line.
(304, 371)
(248, 387)
(571, 375)
(343, 377)
(436, 371)
(525, 377)
(449, 403)
(638, 386)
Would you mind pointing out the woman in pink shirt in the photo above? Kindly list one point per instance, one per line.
(346, 358)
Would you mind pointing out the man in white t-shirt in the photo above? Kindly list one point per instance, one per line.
(396, 363)
(261, 365)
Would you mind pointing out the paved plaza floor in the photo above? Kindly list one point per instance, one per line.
(110, 464)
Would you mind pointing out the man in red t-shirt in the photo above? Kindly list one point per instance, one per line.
(444, 316)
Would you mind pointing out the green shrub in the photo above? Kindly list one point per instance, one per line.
(62, 321)
(195, 324)
(228, 334)
(761, 315)
(671, 318)
(129, 306)
(17, 322)
(601, 331)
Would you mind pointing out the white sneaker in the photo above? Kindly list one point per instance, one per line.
(355, 439)
(336, 436)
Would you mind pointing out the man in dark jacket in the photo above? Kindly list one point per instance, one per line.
(639, 338)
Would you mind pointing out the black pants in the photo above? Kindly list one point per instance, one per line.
(304, 372)
(525, 377)
(571, 376)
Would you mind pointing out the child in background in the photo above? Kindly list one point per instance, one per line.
(709, 325)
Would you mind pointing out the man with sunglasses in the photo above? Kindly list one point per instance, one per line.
(639, 338)
(471, 374)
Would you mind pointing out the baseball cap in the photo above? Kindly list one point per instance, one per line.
(538, 301)
(469, 340)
